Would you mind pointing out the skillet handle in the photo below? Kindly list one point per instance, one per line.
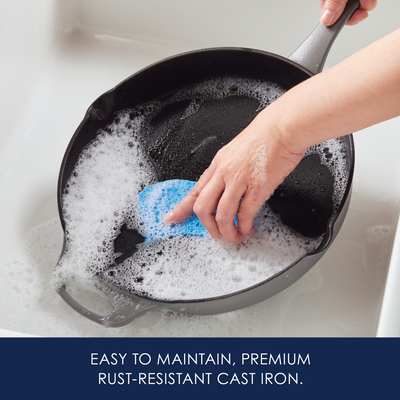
(312, 53)
(126, 309)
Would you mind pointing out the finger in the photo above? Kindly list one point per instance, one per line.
(368, 5)
(207, 203)
(227, 210)
(331, 11)
(252, 201)
(358, 16)
(185, 207)
(362, 12)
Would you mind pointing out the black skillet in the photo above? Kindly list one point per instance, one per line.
(166, 77)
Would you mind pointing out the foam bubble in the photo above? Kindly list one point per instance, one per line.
(333, 155)
(184, 267)
(258, 161)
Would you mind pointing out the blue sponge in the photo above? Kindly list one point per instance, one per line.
(159, 199)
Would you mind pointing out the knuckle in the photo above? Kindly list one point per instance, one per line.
(195, 192)
(260, 190)
(245, 216)
(197, 209)
(337, 3)
(368, 5)
(222, 218)
(222, 169)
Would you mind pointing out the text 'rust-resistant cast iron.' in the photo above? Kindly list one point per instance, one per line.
(184, 70)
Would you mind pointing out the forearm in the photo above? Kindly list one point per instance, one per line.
(359, 92)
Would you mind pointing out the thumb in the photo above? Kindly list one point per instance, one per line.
(331, 11)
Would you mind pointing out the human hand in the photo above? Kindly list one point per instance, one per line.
(241, 177)
(332, 9)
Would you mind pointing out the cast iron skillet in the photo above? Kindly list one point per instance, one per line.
(167, 77)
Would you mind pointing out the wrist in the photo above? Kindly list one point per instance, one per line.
(275, 124)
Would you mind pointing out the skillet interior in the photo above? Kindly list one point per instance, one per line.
(231, 115)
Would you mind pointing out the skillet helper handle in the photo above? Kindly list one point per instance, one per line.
(128, 309)
(312, 53)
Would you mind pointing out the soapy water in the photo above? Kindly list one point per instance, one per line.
(33, 307)
(102, 195)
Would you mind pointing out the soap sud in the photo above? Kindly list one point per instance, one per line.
(332, 154)
(102, 195)
(196, 268)
(258, 175)
(216, 88)
(33, 307)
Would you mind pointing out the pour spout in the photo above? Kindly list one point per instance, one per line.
(130, 308)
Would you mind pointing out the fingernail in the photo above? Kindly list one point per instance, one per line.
(327, 17)
(168, 217)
